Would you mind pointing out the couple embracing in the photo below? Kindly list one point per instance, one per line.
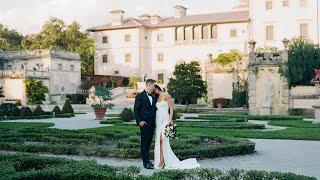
(153, 110)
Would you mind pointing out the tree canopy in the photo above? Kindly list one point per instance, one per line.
(55, 34)
(186, 83)
(226, 58)
(303, 59)
(36, 91)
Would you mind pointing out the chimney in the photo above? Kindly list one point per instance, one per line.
(116, 17)
(155, 19)
(179, 11)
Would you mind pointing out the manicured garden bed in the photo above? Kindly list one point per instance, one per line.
(249, 117)
(220, 125)
(28, 166)
(108, 142)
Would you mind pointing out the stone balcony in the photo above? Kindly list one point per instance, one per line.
(24, 74)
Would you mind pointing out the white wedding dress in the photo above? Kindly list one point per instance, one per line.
(170, 159)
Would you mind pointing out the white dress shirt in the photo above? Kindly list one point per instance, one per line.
(150, 98)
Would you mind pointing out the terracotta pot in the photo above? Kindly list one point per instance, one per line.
(220, 105)
(100, 112)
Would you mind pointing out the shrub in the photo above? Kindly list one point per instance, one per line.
(35, 90)
(78, 98)
(15, 112)
(38, 111)
(6, 108)
(56, 110)
(111, 121)
(67, 108)
(226, 58)
(127, 114)
(26, 112)
(303, 58)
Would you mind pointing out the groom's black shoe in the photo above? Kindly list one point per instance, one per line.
(149, 162)
(148, 165)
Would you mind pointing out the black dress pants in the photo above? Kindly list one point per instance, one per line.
(146, 132)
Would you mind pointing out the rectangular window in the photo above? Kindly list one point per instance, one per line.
(214, 32)
(285, 3)
(304, 30)
(60, 67)
(303, 3)
(160, 78)
(160, 57)
(71, 67)
(233, 33)
(105, 39)
(127, 57)
(269, 33)
(268, 5)
(9, 67)
(160, 37)
(116, 72)
(180, 34)
(127, 38)
(105, 58)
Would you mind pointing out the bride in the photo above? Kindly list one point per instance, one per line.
(163, 154)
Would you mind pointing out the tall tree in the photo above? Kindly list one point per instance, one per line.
(55, 34)
(187, 83)
(10, 39)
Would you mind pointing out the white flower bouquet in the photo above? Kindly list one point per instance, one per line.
(170, 130)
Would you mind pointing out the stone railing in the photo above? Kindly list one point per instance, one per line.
(273, 57)
(22, 74)
(42, 53)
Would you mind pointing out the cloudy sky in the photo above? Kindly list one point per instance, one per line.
(27, 16)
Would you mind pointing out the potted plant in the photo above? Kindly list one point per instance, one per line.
(221, 102)
(101, 98)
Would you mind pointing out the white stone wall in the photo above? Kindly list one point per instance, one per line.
(144, 49)
(14, 89)
(116, 48)
(285, 20)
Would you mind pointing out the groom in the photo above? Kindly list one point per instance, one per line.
(145, 115)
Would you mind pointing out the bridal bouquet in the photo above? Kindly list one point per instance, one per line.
(170, 130)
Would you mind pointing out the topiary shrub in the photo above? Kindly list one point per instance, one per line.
(38, 111)
(6, 108)
(15, 112)
(26, 112)
(127, 115)
(67, 108)
(56, 110)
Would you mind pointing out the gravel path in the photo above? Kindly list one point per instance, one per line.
(80, 121)
(300, 157)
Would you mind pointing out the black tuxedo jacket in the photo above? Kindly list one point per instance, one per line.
(144, 110)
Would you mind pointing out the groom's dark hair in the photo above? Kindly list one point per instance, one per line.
(150, 81)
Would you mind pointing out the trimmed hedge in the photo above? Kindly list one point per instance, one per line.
(67, 108)
(251, 117)
(111, 143)
(111, 121)
(38, 111)
(127, 115)
(30, 166)
(220, 125)
(56, 110)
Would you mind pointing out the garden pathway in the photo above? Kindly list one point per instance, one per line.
(80, 121)
(300, 157)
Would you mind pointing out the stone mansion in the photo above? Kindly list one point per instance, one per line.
(149, 46)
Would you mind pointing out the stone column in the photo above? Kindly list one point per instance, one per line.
(252, 80)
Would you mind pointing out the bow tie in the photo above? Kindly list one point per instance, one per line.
(149, 94)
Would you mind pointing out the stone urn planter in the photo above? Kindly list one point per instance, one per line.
(100, 113)
(101, 97)
(220, 102)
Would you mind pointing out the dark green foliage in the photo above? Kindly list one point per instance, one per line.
(29, 166)
(78, 98)
(186, 83)
(304, 57)
(15, 112)
(67, 108)
(6, 108)
(26, 112)
(127, 115)
(239, 99)
(226, 58)
(10, 39)
(111, 121)
(1, 91)
(38, 111)
(56, 110)
(103, 95)
(35, 90)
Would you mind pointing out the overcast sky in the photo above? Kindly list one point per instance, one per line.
(27, 16)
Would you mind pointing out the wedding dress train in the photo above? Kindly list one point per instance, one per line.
(170, 159)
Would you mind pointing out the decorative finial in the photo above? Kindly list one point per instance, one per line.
(252, 45)
(285, 42)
